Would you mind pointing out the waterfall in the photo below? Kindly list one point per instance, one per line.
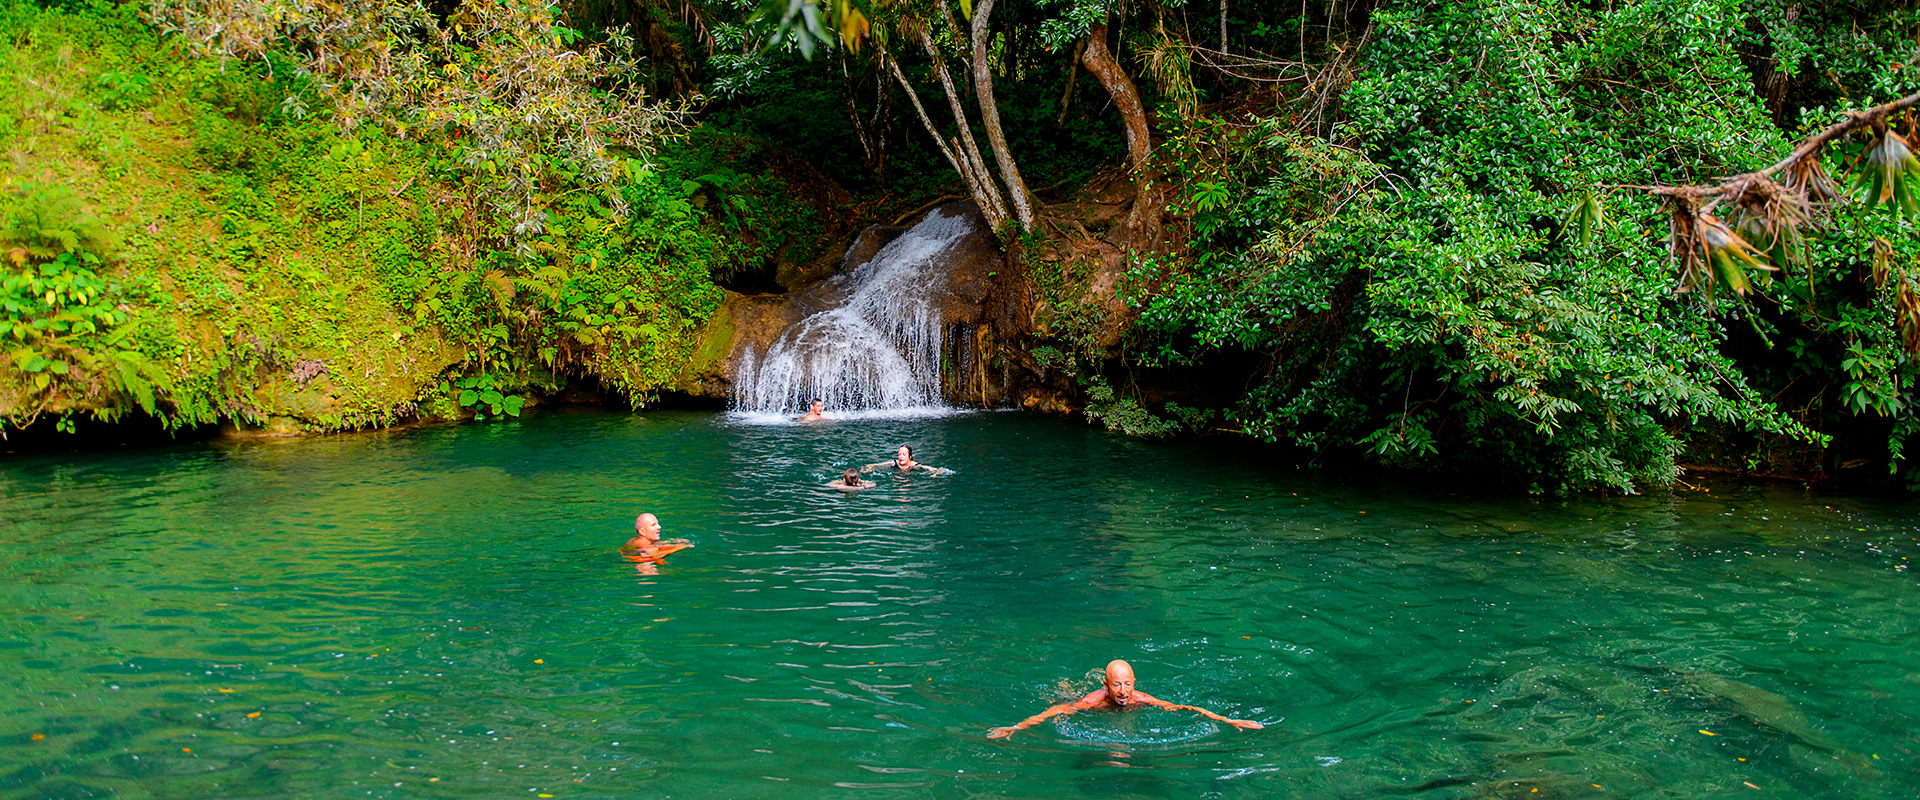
(878, 348)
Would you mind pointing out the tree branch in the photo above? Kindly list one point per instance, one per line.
(1875, 117)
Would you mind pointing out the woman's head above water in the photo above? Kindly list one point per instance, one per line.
(851, 477)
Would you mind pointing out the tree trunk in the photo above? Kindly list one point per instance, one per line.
(970, 150)
(981, 194)
(1066, 97)
(1145, 218)
(990, 116)
(869, 144)
(1223, 26)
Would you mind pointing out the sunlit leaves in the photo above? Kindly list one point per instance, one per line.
(812, 24)
(522, 95)
(1210, 195)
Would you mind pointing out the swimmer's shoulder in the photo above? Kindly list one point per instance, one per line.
(1147, 699)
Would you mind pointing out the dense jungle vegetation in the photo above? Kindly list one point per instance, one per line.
(1505, 234)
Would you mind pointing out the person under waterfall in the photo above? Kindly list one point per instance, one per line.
(816, 411)
(903, 462)
(1117, 695)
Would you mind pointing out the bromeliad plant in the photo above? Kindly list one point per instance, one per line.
(1771, 218)
(1793, 214)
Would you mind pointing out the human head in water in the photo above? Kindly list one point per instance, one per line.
(850, 478)
(1119, 681)
(817, 405)
(646, 528)
(903, 457)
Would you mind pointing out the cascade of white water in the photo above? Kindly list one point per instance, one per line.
(879, 349)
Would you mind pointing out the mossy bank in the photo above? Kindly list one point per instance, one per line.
(203, 242)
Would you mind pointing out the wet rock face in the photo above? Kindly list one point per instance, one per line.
(742, 321)
(976, 276)
(799, 277)
(868, 243)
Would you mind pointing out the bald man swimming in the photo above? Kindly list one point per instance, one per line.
(646, 545)
(1119, 695)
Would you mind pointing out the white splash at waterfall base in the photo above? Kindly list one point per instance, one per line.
(876, 353)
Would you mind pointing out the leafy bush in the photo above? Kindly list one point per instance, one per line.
(1407, 279)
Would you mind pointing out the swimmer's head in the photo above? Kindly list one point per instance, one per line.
(647, 526)
(904, 455)
(1119, 681)
(816, 405)
(851, 477)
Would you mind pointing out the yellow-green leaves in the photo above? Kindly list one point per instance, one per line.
(1708, 254)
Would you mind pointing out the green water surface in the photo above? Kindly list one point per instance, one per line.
(442, 613)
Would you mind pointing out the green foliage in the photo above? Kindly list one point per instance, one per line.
(481, 394)
(1408, 280)
(523, 99)
(1125, 414)
(62, 324)
(275, 267)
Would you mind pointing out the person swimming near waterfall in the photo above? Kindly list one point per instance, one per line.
(850, 482)
(646, 545)
(903, 462)
(1117, 695)
(816, 411)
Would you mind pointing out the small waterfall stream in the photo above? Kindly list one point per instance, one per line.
(878, 348)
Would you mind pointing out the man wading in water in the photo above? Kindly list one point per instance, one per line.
(1119, 695)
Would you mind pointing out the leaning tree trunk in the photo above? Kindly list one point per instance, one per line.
(987, 192)
(1144, 221)
(871, 146)
(985, 195)
(990, 116)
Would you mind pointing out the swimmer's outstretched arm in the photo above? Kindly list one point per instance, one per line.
(1062, 709)
(1245, 724)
